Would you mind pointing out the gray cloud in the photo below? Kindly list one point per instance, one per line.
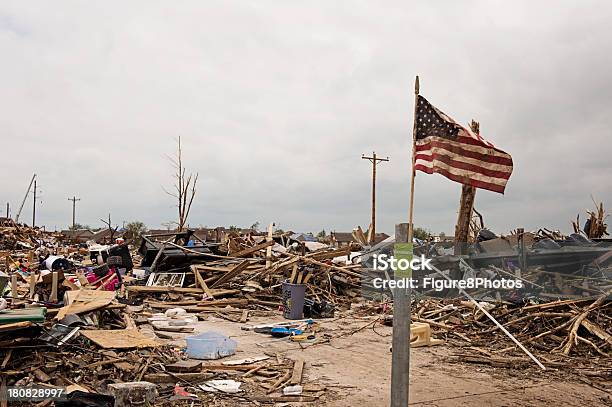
(276, 102)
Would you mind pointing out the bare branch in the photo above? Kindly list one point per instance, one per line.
(185, 186)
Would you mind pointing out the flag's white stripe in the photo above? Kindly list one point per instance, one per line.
(465, 146)
(463, 173)
(464, 159)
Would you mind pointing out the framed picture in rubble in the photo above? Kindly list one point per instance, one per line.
(166, 279)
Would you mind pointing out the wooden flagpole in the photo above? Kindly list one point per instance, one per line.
(413, 173)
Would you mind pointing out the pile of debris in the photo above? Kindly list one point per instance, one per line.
(104, 320)
(595, 226)
(241, 274)
(15, 236)
(569, 336)
(574, 328)
(99, 320)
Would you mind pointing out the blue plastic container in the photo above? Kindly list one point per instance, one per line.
(210, 345)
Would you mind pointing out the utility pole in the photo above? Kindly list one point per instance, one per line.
(373, 160)
(74, 200)
(7, 211)
(34, 206)
(25, 197)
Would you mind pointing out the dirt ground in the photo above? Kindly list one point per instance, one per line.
(356, 370)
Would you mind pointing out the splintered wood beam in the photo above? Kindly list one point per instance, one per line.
(331, 254)
(138, 289)
(269, 248)
(298, 368)
(32, 283)
(201, 282)
(54, 281)
(466, 205)
(462, 230)
(253, 249)
(232, 273)
(14, 292)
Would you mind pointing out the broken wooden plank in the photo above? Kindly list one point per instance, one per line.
(172, 377)
(185, 366)
(119, 338)
(253, 249)
(232, 273)
(278, 383)
(286, 399)
(245, 316)
(84, 301)
(174, 329)
(269, 248)
(189, 290)
(15, 326)
(329, 254)
(298, 369)
(201, 282)
(220, 366)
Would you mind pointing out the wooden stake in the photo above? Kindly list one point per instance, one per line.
(293, 273)
(269, 248)
(55, 279)
(82, 279)
(32, 284)
(522, 251)
(307, 278)
(14, 293)
(245, 316)
(298, 368)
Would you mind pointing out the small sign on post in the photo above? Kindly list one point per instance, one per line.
(402, 251)
(400, 365)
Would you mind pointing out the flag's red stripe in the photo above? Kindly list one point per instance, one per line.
(475, 142)
(454, 149)
(460, 179)
(464, 166)
(463, 173)
(477, 138)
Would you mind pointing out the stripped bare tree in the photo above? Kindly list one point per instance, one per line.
(111, 230)
(184, 188)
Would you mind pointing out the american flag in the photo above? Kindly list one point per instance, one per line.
(449, 149)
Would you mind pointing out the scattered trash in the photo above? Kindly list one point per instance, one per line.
(133, 393)
(114, 315)
(210, 345)
(225, 386)
(180, 394)
(292, 390)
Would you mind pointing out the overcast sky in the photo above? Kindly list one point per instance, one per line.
(276, 101)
